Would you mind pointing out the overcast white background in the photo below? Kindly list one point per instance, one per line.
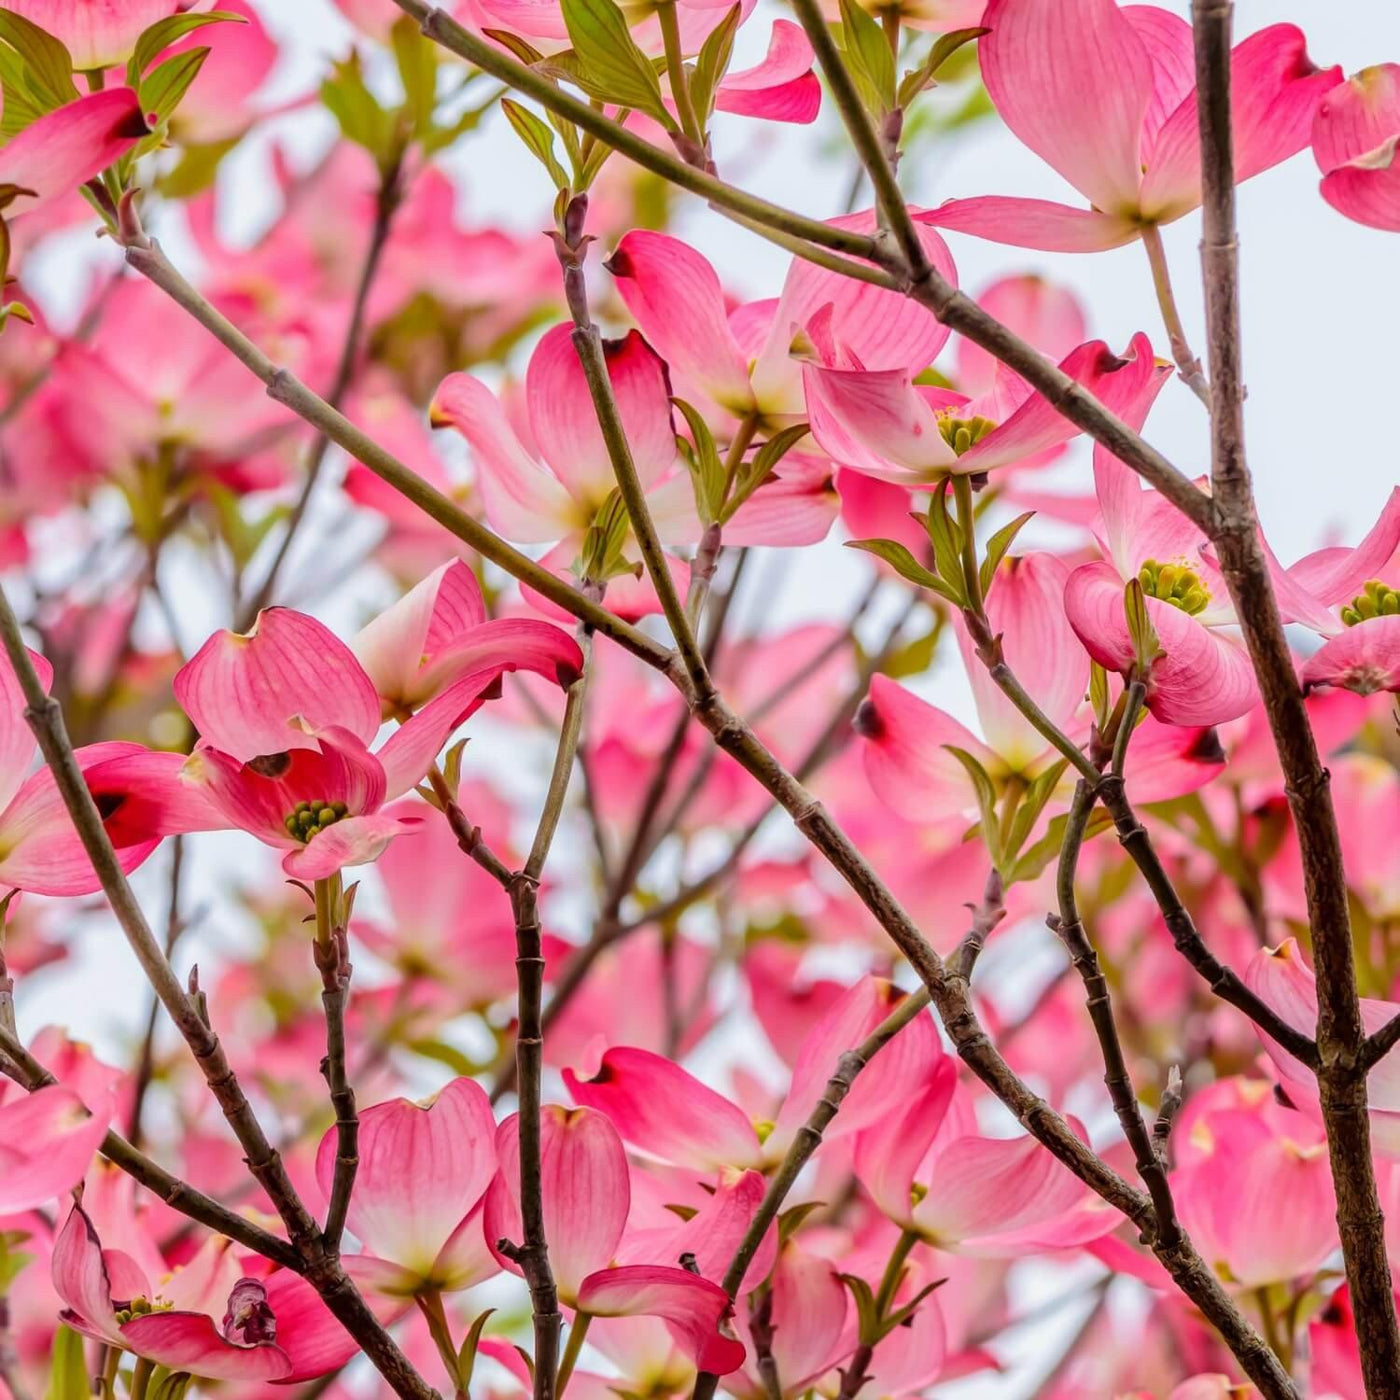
(1321, 307)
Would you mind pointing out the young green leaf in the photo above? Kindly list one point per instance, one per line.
(712, 64)
(48, 65)
(538, 139)
(525, 52)
(996, 550)
(986, 794)
(610, 65)
(752, 474)
(1031, 805)
(68, 1377)
(164, 32)
(1146, 647)
(163, 88)
(1098, 695)
(917, 79)
(707, 471)
(362, 119)
(416, 57)
(946, 537)
(869, 57)
(466, 1355)
(902, 561)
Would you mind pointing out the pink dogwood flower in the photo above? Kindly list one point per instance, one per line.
(417, 1204)
(1351, 597)
(881, 423)
(207, 1318)
(47, 1141)
(1354, 138)
(1202, 673)
(286, 714)
(62, 149)
(1106, 97)
(97, 33)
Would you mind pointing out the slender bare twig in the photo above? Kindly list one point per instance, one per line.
(1341, 1035)
(1187, 364)
(331, 952)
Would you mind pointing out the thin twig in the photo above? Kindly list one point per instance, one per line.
(1187, 364)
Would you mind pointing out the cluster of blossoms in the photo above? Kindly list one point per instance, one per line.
(598, 1078)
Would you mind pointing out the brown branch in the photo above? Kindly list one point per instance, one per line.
(331, 951)
(1341, 1035)
(386, 202)
(321, 1269)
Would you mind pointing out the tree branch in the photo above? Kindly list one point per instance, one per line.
(1341, 1035)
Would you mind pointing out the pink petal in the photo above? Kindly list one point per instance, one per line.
(881, 329)
(905, 747)
(692, 1307)
(1337, 575)
(674, 295)
(422, 1170)
(877, 423)
(242, 690)
(1041, 313)
(1275, 91)
(313, 1339)
(1369, 194)
(433, 613)
(782, 87)
(522, 500)
(810, 1305)
(80, 1277)
(909, 1058)
(1203, 678)
(61, 150)
(350, 841)
(47, 1142)
(1074, 81)
(796, 508)
(1116, 381)
(467, 1258)
(16, 738)
(1172, 49)
(1033, 223)
(1364, 658)
(186, 1341)
(565, 425)
(507, 644)
(1357, 118)
(586, 1192)
(42, 850)
(888, 1153)
(97, 35)
(659, 1108)
(1170, 760)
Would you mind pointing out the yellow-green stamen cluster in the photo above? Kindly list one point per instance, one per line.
(1175, 584)
(141, 1307)
(1374, 600)
(963, 434)
(310, 817)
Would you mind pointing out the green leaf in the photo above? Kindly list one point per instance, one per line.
(165, 32)
(416, 56)
(437, 138)
(21, 105)
(1146, 646)
(162, 90)
(986, 793)
(526, 53)
(604, 539)
(791, 1220)
(538, 139)
(1031, 805)
(996, 550)
(68, 1377)
(362, 119)
(712, 64)
(755, 472)
(917, 79)
(1098, 694)
(444, 1054)
(166, 1384)
(902, 561)
(707, 471)
(466, 1355)
(12, 1259)
(610, 65)
(866, 1311)
(1031, 865)
(868, 56)
(48, 66)
(902, 1315)
(946, 537)
(916, 656)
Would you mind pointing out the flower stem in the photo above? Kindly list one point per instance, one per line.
(1187, 364)
(577, 1332)
(434, 1314)
(675, 71)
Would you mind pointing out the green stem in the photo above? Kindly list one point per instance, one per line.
(675, 72)
(889, 20)
(430, 1305)
(577, 1332)
(967, 521)
(894, 1271)
(1187, 364)
(141, 1378)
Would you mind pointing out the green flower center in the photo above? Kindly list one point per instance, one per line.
(307, 818)
(963, 434)
(141, 1307)
(1176, 584)
(1374, 600)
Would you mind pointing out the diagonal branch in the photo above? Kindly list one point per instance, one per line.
(1341, 1034)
